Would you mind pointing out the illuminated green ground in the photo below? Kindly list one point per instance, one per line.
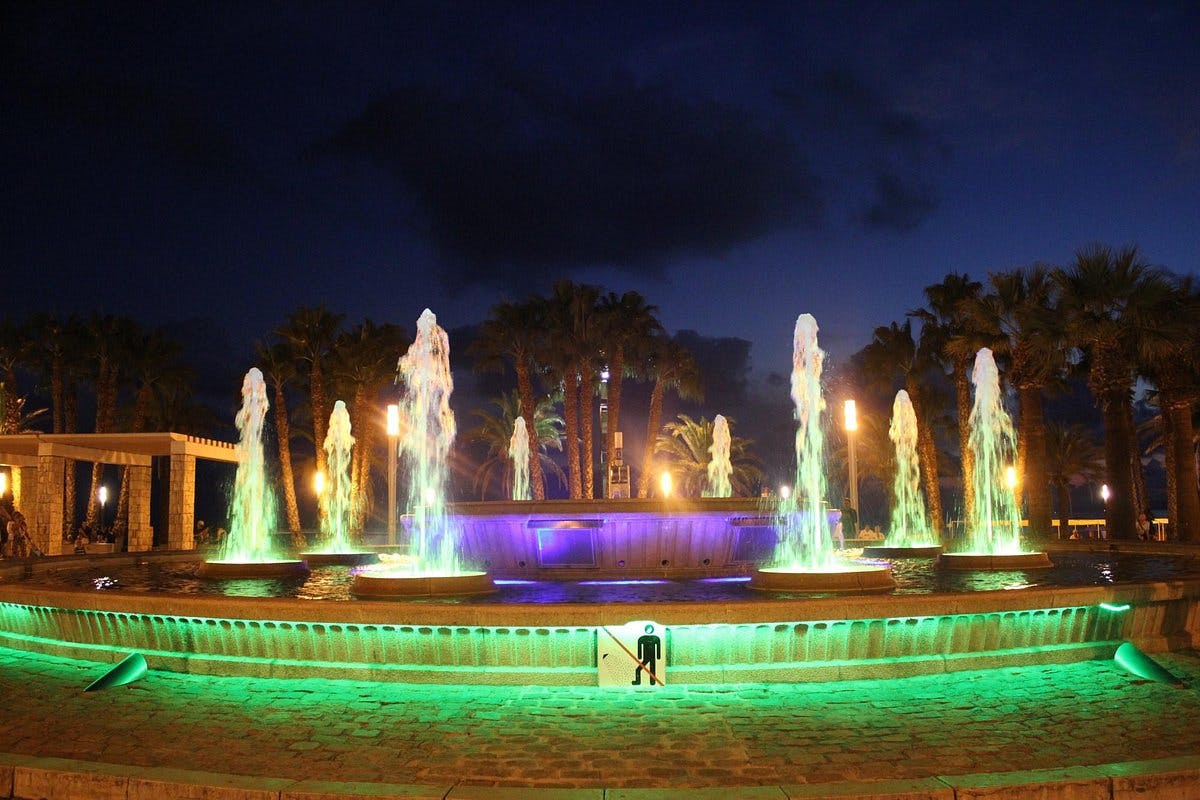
(754, 734)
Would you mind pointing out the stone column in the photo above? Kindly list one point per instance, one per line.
(141, 535)
(24, 490)
(181, 502)
(47, 528)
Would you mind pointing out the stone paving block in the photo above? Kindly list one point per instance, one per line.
(522, 793)
(1158, 779)
(184, 784)
(334, 790)
(1071, 783)
(918, 789)
(53, 782)
(730, 793)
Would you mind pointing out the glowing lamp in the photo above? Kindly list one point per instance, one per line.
(393, 420)
(664, 483)
(319, 482)
(1010, 477)
(1105, 493)
(851, 415)
(102, 495)
(785, 491)
(3, 483)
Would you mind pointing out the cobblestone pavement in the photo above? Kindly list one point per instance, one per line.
(721, 735)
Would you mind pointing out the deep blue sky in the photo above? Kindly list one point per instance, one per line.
(738, 164)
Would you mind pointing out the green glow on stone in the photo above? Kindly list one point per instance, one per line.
(1115, 607)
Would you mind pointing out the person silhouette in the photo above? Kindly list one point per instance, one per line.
(649, 650)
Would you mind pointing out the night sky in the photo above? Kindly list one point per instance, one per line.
(736, 164)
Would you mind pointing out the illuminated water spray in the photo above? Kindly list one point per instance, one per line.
(252, 508)
(335, 521)
(518, 451)
(719, 467)
(429, 430)
(910, 526)
(995, 527)
(804, 540)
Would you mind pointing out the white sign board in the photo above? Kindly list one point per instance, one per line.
(633, 654)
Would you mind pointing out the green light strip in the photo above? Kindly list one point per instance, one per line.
(1115, 607)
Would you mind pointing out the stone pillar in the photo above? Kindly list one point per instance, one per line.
(141, 534)
(47, 527)
(24, 490)
(181, 502)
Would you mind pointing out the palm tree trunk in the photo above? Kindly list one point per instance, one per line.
(106, 401)
(320, 411)
(1170, 455)
(1037, 487)
(587, 391)
(1064, 510)
(283, 435)
(1120, 514)
(1187, 523)
(537, 480)
(360, 469)
(70, 425)
(652, 425)
(1137, 476)
(927, 455)
(140, 407)
(962, 398)
(571, 420)
(57, 411)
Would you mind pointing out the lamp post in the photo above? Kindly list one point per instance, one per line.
(3, 483)
(102, 496)
(851, 420)
(665, 484)
(393, 433)
(319, 483)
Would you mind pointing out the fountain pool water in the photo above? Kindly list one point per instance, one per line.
(909, 534)
(335, 507)
(719, 468)
(993, 539)
(804, 558)
(432, 564)
(248, 549)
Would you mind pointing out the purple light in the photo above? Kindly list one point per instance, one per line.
(730, 579)
(621, 583)
(511, 582)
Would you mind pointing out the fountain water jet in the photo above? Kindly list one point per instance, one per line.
(719, 466)
(248, 550)
(994, 530)
(336, 507)
(431, 565)
(518, 451)
(804, 558)
(909, 534)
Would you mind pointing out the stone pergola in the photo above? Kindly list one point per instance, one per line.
(39, 462)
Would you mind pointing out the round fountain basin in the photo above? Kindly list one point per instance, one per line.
(387, 585)
(227, 570)
(988, 561)
(919, 551)
(852, 578)
(351, 559)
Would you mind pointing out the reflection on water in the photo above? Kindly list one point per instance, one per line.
(913, 576)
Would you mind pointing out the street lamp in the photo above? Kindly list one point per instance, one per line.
(3, 483)
(1010, 478)
(850, 414)
(785, 492)
(1105, 493)
(102, 496)
(393, 433)
(319, 483)
(664, 483)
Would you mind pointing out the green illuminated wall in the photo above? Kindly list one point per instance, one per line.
(812, 650)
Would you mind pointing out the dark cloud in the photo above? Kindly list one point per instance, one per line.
(517, 175)
(890, 154)
(724, 364)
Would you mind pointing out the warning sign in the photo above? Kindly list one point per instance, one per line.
(633, 654)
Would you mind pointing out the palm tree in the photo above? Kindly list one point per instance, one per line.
(1074, 458)
(628, 323)
(894, 354)
(1169, 357)
(957, 340)
(496, 430)
(311, 333)
(112, 341)
(1110, 299)
(686, 444)
(673, 368)
(365, 366)
(514, 334)
(280, 368)
(1022, 309)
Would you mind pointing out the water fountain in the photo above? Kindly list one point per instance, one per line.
(518, 451)
(993, 538)
(719, 468)
(804, 559)
(909, 534)
(248, 550)
(335, 509)
(431, 567)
